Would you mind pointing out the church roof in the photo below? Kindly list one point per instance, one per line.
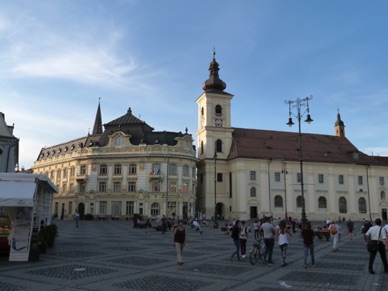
(279, 145)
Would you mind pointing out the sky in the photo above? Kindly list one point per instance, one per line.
(59, 57)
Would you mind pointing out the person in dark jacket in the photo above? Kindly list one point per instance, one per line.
(308, 243)
(235, 234)
(179, 240)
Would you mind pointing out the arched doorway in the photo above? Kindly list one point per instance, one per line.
(81, 210)
(220, 211)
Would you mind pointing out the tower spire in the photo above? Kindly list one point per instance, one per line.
(97, 128)
(214, 82)
(339, 126)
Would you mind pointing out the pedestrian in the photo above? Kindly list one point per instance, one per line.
(374, 234)
(283, 231)
(269, 239)
(308, 243)
(76, 219)
(179, 240)
(365, 228)
(235, 233)
(243, 238)
(197, 226)
(334, 233)
(164, 224)
(256, 228)
(350, 227)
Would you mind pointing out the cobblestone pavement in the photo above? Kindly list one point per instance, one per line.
(111, 255)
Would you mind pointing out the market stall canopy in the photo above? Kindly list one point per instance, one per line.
(19, 189)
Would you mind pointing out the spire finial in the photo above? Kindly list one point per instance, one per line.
(214, 53)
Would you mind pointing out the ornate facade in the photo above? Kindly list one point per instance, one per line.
(245, 173)
(9, 147)
(125, 169)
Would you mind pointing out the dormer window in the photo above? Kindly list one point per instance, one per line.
(356, 156)
(118, 141)
(186, 145)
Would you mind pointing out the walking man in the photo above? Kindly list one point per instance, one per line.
(334, 233)
(269, 239)
(375, 233)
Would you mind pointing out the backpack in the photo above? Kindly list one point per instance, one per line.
(333, 229)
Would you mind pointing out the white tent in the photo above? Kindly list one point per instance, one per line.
(27, 199)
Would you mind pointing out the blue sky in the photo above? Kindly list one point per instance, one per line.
(58, 57)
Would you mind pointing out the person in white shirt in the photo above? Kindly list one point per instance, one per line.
(334, 233)
(376, 233)
(385, 235)
(197, 226)
(282, 233)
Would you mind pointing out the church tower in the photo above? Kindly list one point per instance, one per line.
(214, 137)
(339, 126)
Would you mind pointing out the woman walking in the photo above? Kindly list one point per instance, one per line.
(308, 243)
(179, 240)
(283, 231)
(234, 233)
(243, 238)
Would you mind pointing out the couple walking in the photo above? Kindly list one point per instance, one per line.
(239, 234)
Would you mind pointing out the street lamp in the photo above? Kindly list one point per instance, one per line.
(284, 171)
(298, 104)
(215, 225)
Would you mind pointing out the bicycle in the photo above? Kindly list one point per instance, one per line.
(257, 251)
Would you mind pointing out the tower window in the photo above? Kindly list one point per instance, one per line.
(218, 110)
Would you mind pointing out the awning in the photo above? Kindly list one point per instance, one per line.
(19, 189)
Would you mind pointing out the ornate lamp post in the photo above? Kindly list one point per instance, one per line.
(215, 225)
(298, 104)
(284, 171)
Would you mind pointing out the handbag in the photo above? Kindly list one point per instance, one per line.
(373, 245)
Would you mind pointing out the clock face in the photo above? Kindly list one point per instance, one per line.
(218, 122)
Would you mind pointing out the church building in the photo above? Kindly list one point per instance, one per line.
(245, 173)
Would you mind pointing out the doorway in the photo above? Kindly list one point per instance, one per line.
(253, 212)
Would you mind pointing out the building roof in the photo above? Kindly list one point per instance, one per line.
(279, 145)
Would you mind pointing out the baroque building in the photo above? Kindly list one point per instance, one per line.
(245, 173)
(9, 147)
(123, 169)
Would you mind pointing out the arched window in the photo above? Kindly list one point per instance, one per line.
(118, 141)
(219, 146)
(299, 201)
(253, 192)
(382, 195)
(155, 209)
(202, 147)
(202, 111)
(342, 205)
(362, 205)
(322, 202)
(278, 200)
(218, 110)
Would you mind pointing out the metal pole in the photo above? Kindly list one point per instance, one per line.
(285, 190)
(215, 225)
(301, 171)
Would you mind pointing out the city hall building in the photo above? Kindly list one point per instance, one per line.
(123, 169)
(244, 173)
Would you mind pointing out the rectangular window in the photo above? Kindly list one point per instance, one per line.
(186, 171)
(381, 180)
(64, 188)
(341, 179)
(219, 177)
(298, 177)
(64, 173)
(172, 187)
(172, 169)
(72, 172)
(82, 170)
(103, 169)
(117, 169)
(103, 207)
(91, 208)
(132, 169)
(359, 180)
(252, 175)
(82, 187)
(155, 186)
(116, 187)
(277, 176)
(70, 207)
(185, 187)
(320, 178)
(156, 169)
(129, 208)
(131, 186)
(102, 187)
